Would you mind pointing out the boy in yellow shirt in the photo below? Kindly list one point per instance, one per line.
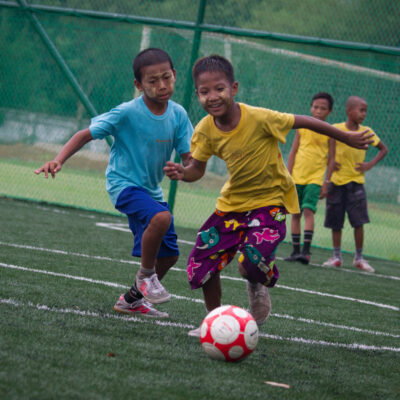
(307, 163)
(251, 211)
(346, 191)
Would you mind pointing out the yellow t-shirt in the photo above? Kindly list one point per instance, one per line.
(311, 158)
(348, 157)
(257, 174)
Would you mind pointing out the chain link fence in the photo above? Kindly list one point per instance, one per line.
(63, 62)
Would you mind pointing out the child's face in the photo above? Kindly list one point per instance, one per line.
(358, 112)
(158, 82)
(215, 92)
(320, 109)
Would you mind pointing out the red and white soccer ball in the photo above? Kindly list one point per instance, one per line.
(228, 333)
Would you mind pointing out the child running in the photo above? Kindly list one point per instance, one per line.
(307, 163)
(251, 211)
(346, 192)
(145, 130)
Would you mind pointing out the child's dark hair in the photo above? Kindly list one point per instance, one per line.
(323, 95)
(213, 63)
(147, 57)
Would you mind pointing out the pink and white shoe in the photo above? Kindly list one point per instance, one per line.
(333, 262)
(363, 265)
(138, 307)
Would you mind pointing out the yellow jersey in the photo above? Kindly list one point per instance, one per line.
(349, 157)
(311, 158)
(258, 176)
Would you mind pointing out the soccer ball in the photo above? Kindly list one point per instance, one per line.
(228, 333)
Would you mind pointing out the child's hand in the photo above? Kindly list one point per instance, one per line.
(363, 167)
(359, 140)
(324, 190)
(174, 171)
(51, 166)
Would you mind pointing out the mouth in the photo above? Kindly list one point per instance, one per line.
(214, 107)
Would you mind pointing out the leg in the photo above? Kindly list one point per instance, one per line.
(152, 238)
(212, 292)
(308, 219)
(295, 227)
(334, 219)
(163, 264)
(304, 257)
(336, 238)
(260, 301)
(359, 237)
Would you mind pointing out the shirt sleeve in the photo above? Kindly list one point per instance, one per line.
(278, 124)
(375, 138)
(105, 124)
(200, 146)
(184, 134)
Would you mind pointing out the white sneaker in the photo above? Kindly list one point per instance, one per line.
(333, 262)
(151, 289)
(138, 307)
(260, 302)
(363, 264)
(194, 332)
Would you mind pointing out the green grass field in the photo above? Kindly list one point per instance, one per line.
(333, 332)
(85, 188)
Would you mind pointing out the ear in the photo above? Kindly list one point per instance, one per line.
(138, 85)
(235, 88)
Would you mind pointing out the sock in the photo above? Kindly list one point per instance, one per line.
(308, 235)
(359, 254)
(296, 242)
(132, 294)
(147, 271)
(337, 252)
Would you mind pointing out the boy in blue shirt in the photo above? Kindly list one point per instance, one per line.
(145, 130)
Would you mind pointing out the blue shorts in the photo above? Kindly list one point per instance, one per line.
(140, 208)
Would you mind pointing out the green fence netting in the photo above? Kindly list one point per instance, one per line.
(283, 52)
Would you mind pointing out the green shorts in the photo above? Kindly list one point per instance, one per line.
(308, 196)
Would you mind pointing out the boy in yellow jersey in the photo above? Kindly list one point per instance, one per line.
(251, 211)
(346, 191)
(307, 163)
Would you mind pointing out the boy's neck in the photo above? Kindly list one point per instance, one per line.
(155, 108)
(230, 120)
(352, 125)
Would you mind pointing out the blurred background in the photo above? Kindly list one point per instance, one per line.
(63, 62)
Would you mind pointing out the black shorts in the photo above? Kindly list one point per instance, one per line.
(350, 198)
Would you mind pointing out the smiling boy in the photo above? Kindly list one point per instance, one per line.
(250, 214)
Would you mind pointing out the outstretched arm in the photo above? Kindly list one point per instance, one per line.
(359, 140)
(193, 171)
(71, 147)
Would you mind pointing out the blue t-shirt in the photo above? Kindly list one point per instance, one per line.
(143, 143)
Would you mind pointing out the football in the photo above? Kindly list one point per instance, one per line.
(229, 333)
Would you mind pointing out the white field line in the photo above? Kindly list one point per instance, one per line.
(113, 284)
(42, 307)
(313, 292)
(124, 228)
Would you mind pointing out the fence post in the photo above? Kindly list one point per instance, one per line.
(187, 97)
(60, 61)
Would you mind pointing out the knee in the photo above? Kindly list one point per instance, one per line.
(161, 220)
